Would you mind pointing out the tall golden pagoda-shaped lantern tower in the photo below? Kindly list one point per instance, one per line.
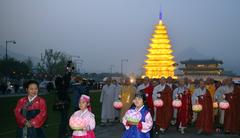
(159, 61)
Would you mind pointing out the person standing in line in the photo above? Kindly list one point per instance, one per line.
(164, 113)
(116, 97)
(229, 117)
(107, 99)
(170, 83)
(127, 94)
(182, 114)
(202, 96)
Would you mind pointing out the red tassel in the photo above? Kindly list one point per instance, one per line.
(139, 126)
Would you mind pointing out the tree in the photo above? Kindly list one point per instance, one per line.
(13, 68)
(52, 63)
(29, 63)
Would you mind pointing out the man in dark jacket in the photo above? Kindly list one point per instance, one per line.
(63, 98)
(79, 87)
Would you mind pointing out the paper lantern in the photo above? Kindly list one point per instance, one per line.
(133, 116)
(215, 105)
(177, 103)
(158, 103)
(197, 108)
(77, 123)
(224, 105)
(117, 104)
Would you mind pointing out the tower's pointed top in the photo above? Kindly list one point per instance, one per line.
(161, 14)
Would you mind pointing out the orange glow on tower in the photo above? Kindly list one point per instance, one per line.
(159, 61)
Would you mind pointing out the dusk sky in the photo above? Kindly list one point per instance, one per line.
(102, 32)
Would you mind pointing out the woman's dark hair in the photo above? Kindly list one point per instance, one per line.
(31, 82)
(142, 95)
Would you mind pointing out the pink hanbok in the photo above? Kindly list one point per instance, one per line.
(84, 119)
(90, 123)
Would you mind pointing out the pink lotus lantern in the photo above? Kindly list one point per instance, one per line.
(197, 108)
(77, 123)
(117, 104)
(133, 117)
(215, 105)
(158, 103)
(177, 103)
(224, 105)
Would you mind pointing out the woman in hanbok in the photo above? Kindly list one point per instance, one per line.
(142, 127)
(84, 114)
(31, 113)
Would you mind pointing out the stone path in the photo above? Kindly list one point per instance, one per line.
(116, 131)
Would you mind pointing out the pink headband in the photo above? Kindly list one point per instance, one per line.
(85, 98)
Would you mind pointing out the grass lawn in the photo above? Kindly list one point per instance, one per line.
(7, 120)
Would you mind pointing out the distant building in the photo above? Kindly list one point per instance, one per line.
(203, 68)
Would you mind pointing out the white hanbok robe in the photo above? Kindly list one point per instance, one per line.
(142, 87)
(194, 98)
(219, 96)
(178, 90)
(197, 92)
(158, 88)
(107, 99)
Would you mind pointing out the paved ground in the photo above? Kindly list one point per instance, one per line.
(116, 131)
(113, 131)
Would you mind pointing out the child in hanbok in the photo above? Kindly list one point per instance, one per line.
(138, 120)
(83, 122)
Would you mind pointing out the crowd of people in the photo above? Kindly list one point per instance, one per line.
(139, 114)
(31, 110)
(206, 93)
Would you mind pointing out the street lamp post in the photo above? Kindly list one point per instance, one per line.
(79, 63)
(123, 60)
(13, 42)
(111, 68)
(9, 41)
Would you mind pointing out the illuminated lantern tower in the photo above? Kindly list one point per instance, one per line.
(159, 61)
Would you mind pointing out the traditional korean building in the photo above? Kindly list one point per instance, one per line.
(202, 68)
